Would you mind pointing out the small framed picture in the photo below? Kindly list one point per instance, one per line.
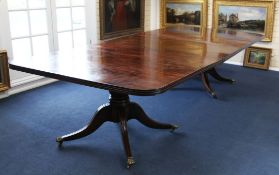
(121, 17)
(257, 57)
(4, 71)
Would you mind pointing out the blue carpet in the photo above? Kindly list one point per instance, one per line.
(238, 134)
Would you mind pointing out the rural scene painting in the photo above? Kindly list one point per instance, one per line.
(242, 18)
(257, 57)
(121, 15)
(183, 13)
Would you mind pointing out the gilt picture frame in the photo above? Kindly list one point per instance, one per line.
(121, 17)
(257, 57)
(184, 12)
(4, 72)
(236, 14)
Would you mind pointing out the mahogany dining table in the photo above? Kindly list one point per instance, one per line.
(143, 64)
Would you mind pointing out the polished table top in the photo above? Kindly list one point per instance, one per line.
(146, 63)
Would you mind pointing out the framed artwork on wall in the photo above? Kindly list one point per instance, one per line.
(4, 71)
(184, 12)
(121, 17)
(255, 16)
(257, 57)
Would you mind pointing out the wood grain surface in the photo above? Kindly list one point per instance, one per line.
(147, 63)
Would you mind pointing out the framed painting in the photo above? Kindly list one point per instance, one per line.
(255, 16)
(4, 71)
(121, 17)
(257, 57)
(184, 12)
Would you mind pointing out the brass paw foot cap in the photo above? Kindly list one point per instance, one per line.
(214, 95)
(130, 162)
(174, 127)
(59, 139)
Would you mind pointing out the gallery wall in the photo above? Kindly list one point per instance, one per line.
(238, 59)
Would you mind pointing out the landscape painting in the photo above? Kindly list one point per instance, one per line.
(189, 14)
(257, 57)
(121, 17)
(245, 15)
(251, 19)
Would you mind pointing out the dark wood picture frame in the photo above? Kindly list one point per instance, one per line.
(4, 71)
(259, 63)
(107, 32)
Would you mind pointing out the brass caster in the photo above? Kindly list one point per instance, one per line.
(130, 162)
(233, 81)
(213, 94)
(59, 140)
(174, 127)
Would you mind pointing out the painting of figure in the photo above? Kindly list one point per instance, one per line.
(183, 13)
(118, 16)
(251, 19)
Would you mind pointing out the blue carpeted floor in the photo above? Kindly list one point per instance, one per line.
(238, 134)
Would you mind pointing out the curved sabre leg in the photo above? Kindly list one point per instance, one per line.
(136, 112)
(213, 72)
(206, 85)
(126, 143)
(101, 116)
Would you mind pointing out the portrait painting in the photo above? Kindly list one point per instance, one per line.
(249, 16)
(121, 17)
(257, 57)
(184, 12)
(4, 71)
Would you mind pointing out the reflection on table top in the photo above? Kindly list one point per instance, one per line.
(146, 63)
